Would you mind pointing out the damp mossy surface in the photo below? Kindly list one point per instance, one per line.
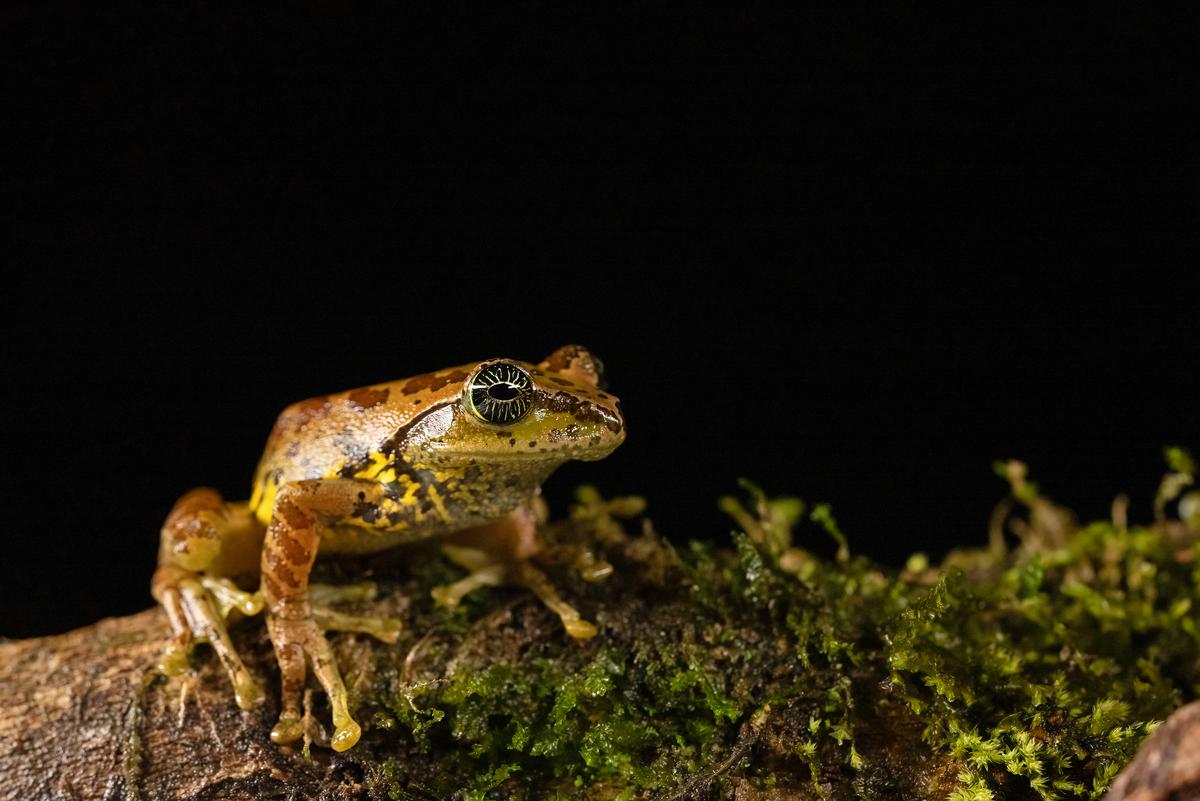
(1030, 668)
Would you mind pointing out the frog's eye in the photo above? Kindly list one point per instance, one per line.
(499, 393)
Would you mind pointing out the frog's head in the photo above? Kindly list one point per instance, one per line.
(509, 410)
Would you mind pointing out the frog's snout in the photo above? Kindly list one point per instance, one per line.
(607, 426)
(610, 418)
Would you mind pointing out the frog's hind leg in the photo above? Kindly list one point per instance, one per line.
(191, 541)
(497, 554)
(302, 509)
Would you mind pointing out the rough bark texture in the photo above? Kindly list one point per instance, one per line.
(756, 675)
(88, 719)
(1167, 768)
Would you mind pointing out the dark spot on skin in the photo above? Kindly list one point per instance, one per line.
(367, 512)
(355, 466)
(313, 404)
(417, 402)
(271, 586)
(293, 683)
(367, 397)
(362, 496)
(286, 576)
(532, 443)
(432, 382)
(562, 382)
(298, 415)
(293, 515)
(580, 409)
(512, 442)
(503, 434)
(293, 550)
(394, 518)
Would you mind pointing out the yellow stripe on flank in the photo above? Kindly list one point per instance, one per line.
(378, 469)
(436, 497)
(262, 502)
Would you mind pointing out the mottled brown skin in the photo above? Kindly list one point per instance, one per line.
(362, 471)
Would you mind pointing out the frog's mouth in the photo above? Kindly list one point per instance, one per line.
(551, 453)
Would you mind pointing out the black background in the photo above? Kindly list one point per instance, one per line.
(854, 255)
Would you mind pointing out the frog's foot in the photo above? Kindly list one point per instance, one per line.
(483, 573)
(195, 616)
(386, 629)
(229, 597)
(487, 572)
(326, 594)
(320, 596)
(294, 638)
(591, 568)
(530, 577)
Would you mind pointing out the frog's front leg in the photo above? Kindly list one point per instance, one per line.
(498, 553)
(302, 510)
(191, 542)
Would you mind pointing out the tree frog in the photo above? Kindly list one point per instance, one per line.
(457, 454)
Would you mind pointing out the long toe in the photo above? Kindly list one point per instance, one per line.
(580, 629)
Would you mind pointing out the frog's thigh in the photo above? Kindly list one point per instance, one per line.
(301, 509)
(498, 553)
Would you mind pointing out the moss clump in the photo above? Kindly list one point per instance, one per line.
(1029, 669)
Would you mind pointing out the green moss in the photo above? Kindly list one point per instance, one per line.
(1031, 670)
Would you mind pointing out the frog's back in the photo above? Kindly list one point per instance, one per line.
(318, 437)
